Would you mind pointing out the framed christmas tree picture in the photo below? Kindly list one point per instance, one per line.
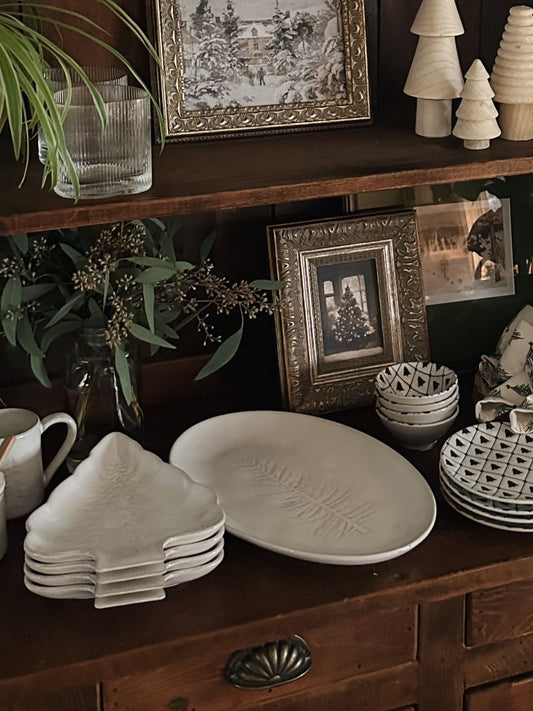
(234, 67)
(353, 303)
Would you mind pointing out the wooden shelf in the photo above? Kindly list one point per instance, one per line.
(262, 170)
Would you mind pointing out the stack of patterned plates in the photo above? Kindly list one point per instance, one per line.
(122, 528)
(486, 473)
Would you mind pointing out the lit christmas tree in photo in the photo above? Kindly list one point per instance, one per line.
(352, 328)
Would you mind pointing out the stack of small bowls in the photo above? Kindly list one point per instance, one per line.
(417, 402)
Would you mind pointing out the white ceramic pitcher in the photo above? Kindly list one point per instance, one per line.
(23, 465)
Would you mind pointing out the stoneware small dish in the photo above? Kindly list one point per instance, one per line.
(419, 437)
(421, 417)
(417, 404)
(416, 381)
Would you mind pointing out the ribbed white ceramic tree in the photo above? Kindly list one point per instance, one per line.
(476, 115)
(512, 75)
(435, 76)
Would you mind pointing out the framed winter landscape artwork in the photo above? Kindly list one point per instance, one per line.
(233, 67)
(466, 249)
(352, 304)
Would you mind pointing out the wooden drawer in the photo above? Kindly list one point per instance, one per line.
(82, 698)
(499, 613)
(509, 695)
(345, 644)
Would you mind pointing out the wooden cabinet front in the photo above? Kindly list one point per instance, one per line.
(500, 613)
(510, 695)
(360, 656)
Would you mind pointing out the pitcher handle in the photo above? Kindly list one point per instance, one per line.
(70, 438)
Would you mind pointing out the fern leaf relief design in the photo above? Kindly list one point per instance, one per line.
(328, 508)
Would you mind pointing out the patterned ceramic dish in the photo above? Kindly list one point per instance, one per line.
(495, 515)
(492, 461)
(419, 437)
(421, 417)
(430, 382)
(508, 508)
(417, 404)
(488, 520)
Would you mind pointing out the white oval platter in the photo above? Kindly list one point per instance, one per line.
(307, 487)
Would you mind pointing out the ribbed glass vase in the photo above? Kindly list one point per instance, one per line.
(115, 159)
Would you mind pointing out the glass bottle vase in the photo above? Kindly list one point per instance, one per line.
(94, 393)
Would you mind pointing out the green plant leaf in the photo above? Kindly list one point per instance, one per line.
(165, 329)
(223, 354)
(173, 224)
(70, 304)
(21, 241)
(267, 284)
(152, 262)
(149, 305)
(167, 246)
(106, 289)
(60, 329)
(207, 246)
(183, 266)
(39, 370)
(35, 291)
(153, 275)
(26, 338)
(143, 334)
(77, 257)
(123, 371)
(10, 305)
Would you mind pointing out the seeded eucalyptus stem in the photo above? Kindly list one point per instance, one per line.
(125, 280)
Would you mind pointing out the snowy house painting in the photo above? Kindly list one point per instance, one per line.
(261, 52)
(230, 66)
(254, 39)
(190, 46)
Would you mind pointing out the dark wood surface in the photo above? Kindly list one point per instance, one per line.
(221, 175)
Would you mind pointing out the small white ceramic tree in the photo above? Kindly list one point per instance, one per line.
(512, 75)
(435, 77)
(476, 115)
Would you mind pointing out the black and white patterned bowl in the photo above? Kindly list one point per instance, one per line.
(419, 382)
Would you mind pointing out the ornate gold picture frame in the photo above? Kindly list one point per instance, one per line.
(233, 67)
(353, 303)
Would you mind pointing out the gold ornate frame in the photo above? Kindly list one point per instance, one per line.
(388, 242)
(183, 124)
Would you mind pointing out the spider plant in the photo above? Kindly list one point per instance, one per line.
(26, 53)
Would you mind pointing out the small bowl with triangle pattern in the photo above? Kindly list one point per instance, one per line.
(421, 383)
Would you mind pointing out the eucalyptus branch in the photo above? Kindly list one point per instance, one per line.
(122, 279)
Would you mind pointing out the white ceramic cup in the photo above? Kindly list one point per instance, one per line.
(23, 466)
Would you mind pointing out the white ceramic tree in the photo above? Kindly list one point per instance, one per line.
(476, 115)
(512, 75)
(435, 76)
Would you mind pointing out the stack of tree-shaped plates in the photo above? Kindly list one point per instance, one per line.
(122, 528)
(486, 473)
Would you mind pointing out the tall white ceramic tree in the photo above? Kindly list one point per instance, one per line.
(476, 115)
(435, 77)
(512, 75)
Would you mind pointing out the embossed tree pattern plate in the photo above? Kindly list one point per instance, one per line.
(491, 461)
(307, 487)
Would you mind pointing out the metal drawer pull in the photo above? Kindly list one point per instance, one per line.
(268, 665)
